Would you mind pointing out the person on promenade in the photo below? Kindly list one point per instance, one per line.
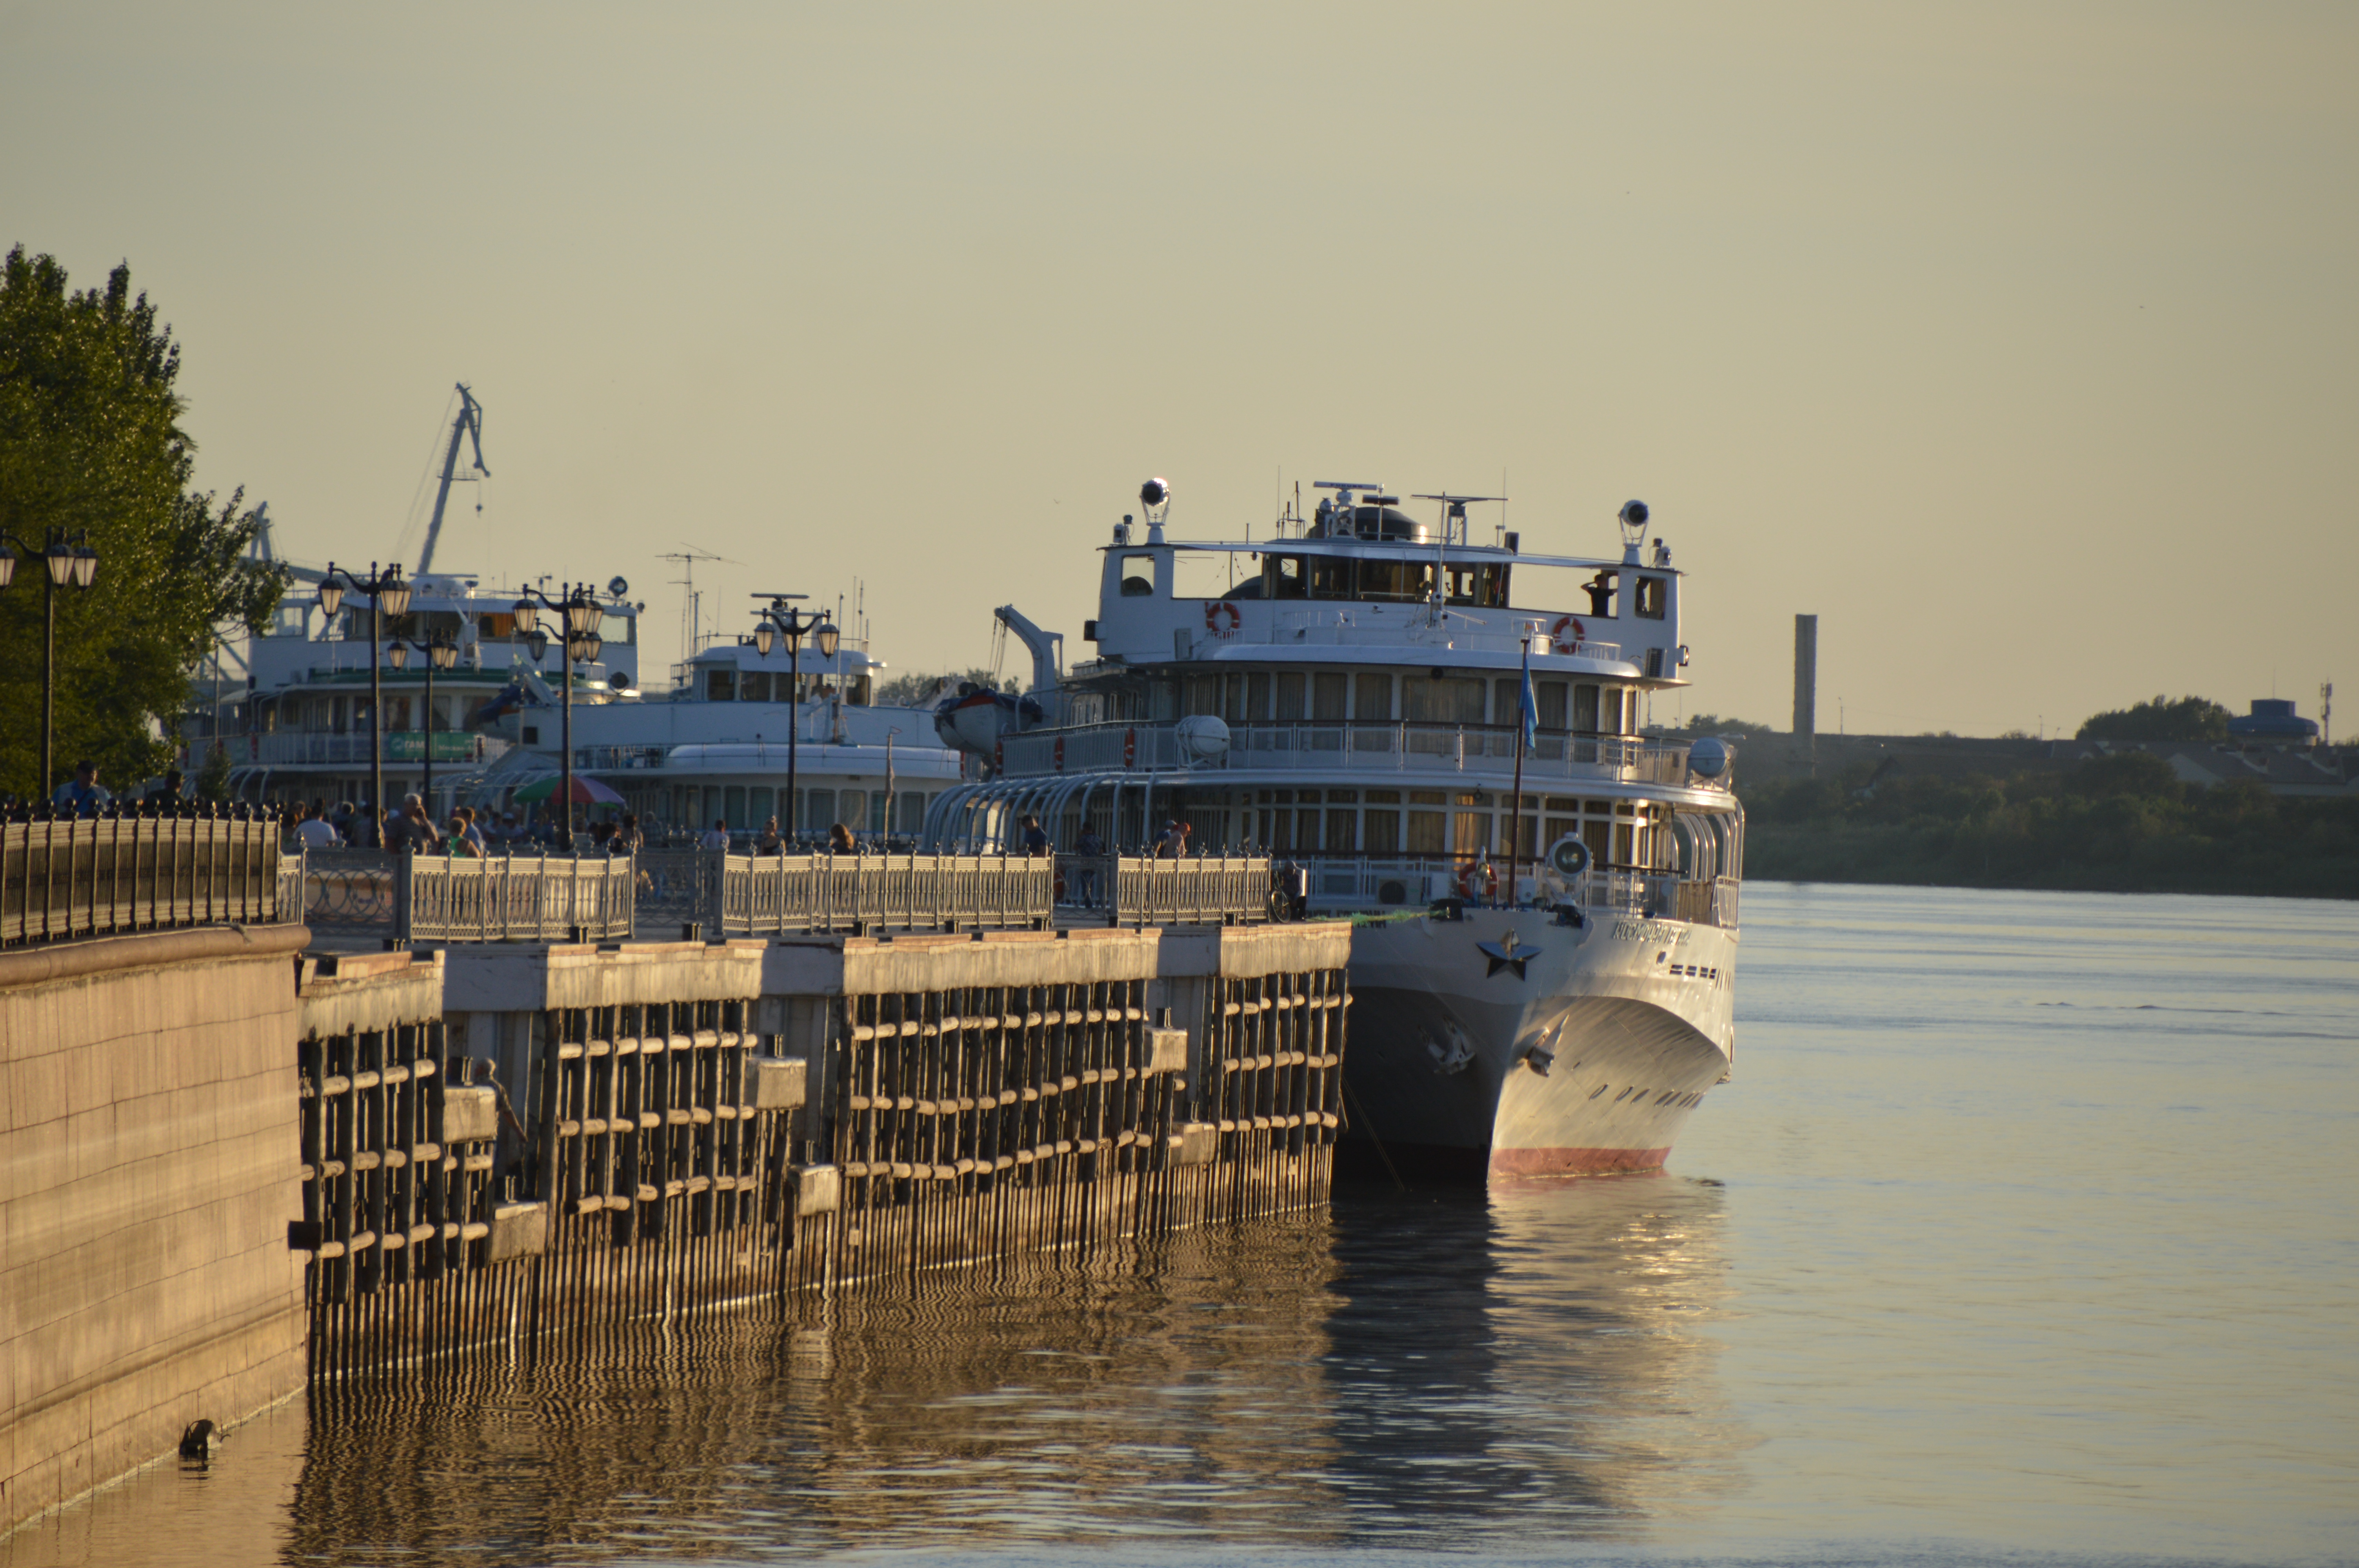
(1036, 838)
(627, 839)
(1091, 849)
(82, 795)
(345, 825)
(716, 836)
(166, 794)
(474, 834)
(1175, 840)
(767, 841)
(839, 840)
(412, 830)
(315, 832)
(462, 847)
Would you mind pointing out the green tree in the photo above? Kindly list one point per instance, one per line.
(908, 690)
(91, 442)
(2188, 718)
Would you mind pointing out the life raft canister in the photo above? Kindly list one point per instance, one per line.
(1221, 619)
(1559, 641)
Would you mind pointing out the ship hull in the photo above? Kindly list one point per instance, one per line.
(1581, 1054)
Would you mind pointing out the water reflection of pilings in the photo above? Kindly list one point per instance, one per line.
(1172, 1384)
(1530, 1358)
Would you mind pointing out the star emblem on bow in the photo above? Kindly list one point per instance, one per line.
(1504, 955)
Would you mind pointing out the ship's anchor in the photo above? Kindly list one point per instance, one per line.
(1461, 1051)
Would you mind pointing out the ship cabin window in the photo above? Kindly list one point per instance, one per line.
(496, 628)
(1584, 708)
(1653, 594)
(1283, 576)
(1290, 688)
(1446, 699)
(1330, 578)
(754, 686)
(720, 684)
(1329, 690)
(1139, 577)
(1482, 586)
(289, 620)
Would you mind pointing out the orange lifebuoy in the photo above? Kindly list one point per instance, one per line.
(1477, 879)
(1562, 643)
(1217, 610)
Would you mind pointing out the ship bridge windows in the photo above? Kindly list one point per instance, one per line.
(1139, 577)
(1482, 585)
(754, 686)
(720, 684)
(1283, 578)
(1654, 593)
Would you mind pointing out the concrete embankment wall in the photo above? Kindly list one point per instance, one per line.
(148, 1120)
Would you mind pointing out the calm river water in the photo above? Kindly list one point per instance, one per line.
(2025, 1230)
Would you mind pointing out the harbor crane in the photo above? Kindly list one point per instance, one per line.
(469, 423)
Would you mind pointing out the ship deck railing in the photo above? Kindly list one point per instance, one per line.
(1345, 884)
(1404, 747)
(107, 876)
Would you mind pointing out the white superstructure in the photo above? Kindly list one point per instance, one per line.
(1346, 694)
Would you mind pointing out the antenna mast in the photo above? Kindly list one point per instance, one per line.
(691, 621)
(469, 423)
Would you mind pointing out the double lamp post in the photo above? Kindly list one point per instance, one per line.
(388, 594)
(71, 563)
(780, 619)
(579, 611)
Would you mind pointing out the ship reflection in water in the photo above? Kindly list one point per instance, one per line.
(1415, 1369)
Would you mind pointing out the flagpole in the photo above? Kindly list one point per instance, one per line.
(1516, 806)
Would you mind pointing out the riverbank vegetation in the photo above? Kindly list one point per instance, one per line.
(2122, 823)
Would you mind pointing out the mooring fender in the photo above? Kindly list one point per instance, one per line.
(1168, 1051)
(519, 1231)
(779, 1082)
(1196, 1143)
(817, 1188)
(470, 1113)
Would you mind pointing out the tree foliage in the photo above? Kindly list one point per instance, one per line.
(2125, 821)
(922, 690)
(91, 442)
(2188, 718)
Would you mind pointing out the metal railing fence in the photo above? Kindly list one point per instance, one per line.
(748, 895)
(111, 876)
(513, 898)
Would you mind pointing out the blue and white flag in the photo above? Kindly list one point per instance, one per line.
(1529, 706)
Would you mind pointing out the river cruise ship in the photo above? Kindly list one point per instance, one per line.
(1542, 980)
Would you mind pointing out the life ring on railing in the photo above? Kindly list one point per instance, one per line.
(1476, 880)
(1559, 642)
(1216, 613)
(1129, 748)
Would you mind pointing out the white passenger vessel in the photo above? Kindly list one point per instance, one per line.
(1540, 988)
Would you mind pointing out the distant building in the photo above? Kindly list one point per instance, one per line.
(2273, 722)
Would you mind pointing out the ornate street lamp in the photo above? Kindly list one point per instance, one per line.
(780, 619)
(580, 611)
(441, 652)
(71, 563)
(388, 595)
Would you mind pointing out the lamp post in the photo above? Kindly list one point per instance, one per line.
(780, 619)
(441, 652)
(71, 561)
(578, 607)
(388, 594)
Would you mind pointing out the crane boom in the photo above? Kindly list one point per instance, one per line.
(1048, 648)
(469, 423)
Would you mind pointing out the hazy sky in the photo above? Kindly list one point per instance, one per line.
(2018, 342)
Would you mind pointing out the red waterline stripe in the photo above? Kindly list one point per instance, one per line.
(1574, 1162)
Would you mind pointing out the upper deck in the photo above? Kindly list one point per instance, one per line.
(1364, 582)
